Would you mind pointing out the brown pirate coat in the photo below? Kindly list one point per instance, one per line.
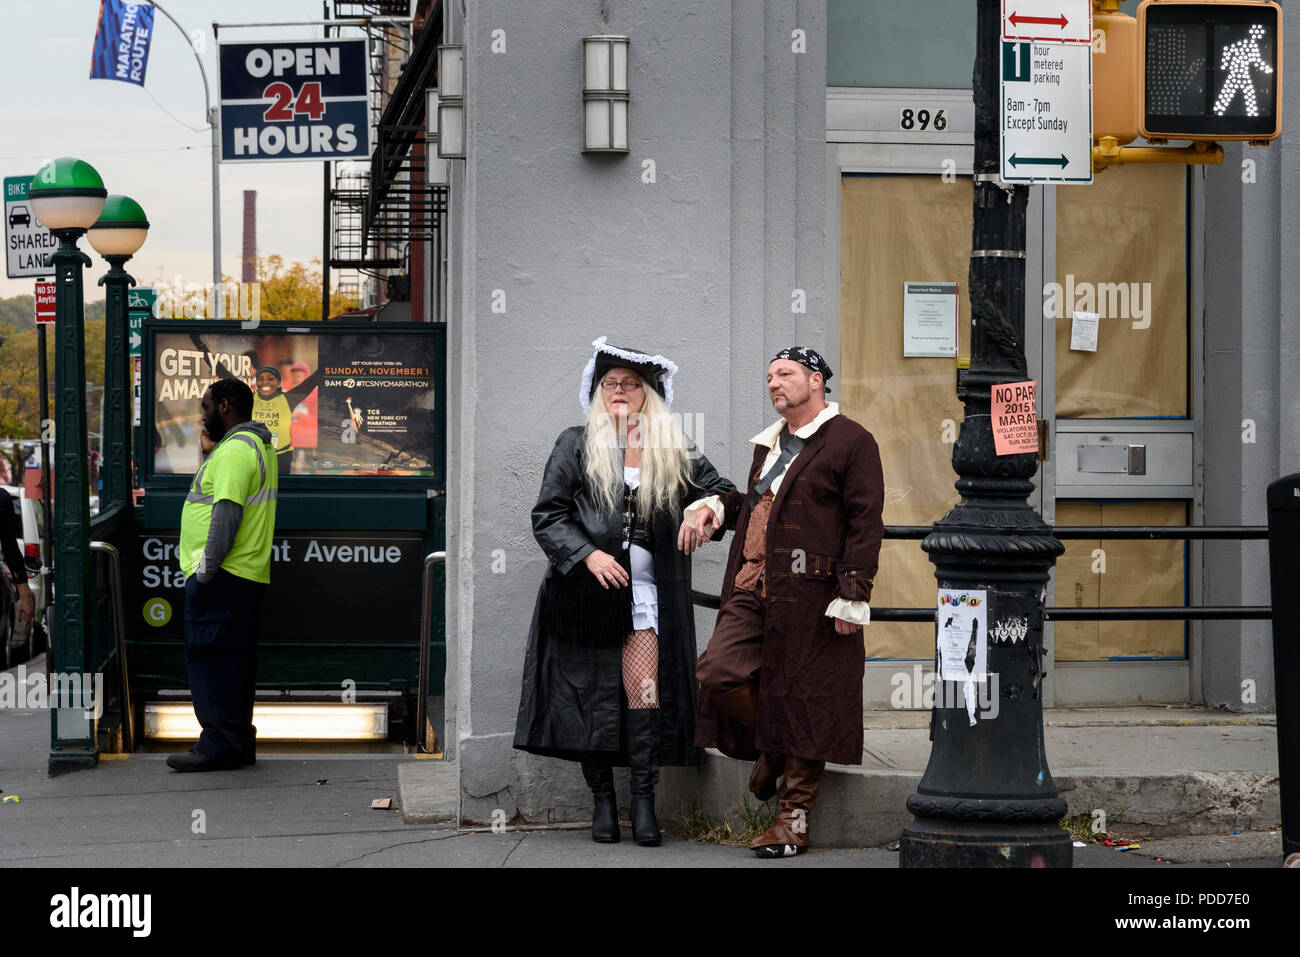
(823, 542)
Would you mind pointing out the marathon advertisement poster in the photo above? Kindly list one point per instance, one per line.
(377, 414)
(335, 404)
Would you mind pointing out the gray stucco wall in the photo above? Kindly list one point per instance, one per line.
(699, 265)
(1252, 352)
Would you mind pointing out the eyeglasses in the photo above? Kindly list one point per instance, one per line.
(628, 385)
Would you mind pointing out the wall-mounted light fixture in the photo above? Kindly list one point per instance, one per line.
(435, 167)
(451, 101)
(604, 94)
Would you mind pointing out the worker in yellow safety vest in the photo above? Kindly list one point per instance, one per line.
(227, 529)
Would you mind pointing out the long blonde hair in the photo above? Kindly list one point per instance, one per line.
(665, 459)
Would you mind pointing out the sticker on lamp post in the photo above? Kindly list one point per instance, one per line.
(1014, 413)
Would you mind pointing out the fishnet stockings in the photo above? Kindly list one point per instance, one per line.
(641, 669)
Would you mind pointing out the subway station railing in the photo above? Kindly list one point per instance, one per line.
(1130, 613)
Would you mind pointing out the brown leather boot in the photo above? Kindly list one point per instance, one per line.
(767, 771)
(789, 835)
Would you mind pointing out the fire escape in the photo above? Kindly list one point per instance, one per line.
(356, 251)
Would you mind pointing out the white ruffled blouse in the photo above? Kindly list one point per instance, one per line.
(645, 596)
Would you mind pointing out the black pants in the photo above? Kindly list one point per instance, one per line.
(221, 630)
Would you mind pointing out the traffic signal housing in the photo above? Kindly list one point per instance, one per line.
(1210, 70)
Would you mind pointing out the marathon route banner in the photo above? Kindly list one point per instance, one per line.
(293, 100)
(122, 38)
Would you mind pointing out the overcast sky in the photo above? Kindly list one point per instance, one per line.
(50, 107)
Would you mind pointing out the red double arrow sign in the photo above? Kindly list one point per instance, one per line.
(1047, 21)
(1059, 20)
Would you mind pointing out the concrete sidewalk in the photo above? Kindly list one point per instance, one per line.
(314, 810)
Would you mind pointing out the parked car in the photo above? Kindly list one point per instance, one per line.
(20, 643)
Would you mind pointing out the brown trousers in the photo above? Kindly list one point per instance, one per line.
(732, 661)
(735, 652)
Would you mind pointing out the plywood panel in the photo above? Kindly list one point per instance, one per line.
(1143, 573)
(898, 229)
(1125, 573)
(1121, 252)
(1077, 586)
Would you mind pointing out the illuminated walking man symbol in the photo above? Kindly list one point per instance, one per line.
(1237, 59)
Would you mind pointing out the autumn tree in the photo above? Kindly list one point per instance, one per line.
(292, 291)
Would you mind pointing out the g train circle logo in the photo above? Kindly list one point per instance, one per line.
(968, 600)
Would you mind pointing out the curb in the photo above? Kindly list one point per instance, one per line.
(868, 808)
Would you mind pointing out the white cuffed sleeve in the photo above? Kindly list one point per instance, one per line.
(713, 501)
(858, 612)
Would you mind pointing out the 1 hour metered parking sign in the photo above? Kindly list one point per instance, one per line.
(1046, 112)
(294, 100)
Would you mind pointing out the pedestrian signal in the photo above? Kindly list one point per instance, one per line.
(1210, 70)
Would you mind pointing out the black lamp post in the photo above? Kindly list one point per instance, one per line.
(67, 196)
(987, 798)
(117, 235)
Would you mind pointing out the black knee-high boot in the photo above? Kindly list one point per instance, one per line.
(643, 759)
(604, 819)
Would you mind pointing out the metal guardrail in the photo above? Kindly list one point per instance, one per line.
(426, 626)
(119, 628)
(1129, 613)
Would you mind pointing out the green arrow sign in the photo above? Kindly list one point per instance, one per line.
(139, 304)
(1060, 161)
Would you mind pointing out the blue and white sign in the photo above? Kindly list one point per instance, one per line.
(294, 100)
(122, 41)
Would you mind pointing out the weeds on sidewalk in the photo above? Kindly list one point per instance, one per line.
(1093, 827)
(738, 827)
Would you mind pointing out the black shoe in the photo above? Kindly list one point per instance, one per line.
(772, 851)
(643, 758)
(196, 760)
(604, 819)
(248, 753)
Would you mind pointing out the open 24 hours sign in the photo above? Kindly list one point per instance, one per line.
(294, 100)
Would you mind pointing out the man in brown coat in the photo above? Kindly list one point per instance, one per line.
(781, 680)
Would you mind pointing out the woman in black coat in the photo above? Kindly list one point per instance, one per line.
(609, 675)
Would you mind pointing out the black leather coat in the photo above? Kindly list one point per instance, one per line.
(572, 700)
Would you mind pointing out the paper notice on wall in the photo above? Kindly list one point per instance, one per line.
(930, 319)
(963, 644)
(1083, 332)
(1014, 413)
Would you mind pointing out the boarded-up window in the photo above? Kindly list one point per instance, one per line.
(898, 229)
(1121, 253)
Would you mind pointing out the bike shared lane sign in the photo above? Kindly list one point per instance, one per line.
(28, 244)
